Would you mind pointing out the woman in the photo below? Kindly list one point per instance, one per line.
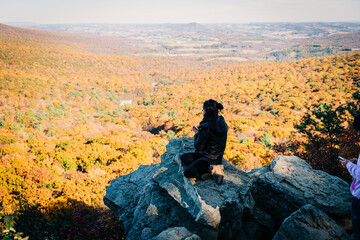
(210, 142)
(353, 166)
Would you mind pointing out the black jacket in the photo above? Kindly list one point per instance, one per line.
(211, 140)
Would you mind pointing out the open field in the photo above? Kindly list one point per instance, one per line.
(253, 41)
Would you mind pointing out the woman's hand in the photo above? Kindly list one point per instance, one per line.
(344, 162)
(195, 129)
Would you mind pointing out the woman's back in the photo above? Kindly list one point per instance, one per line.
(215, 136)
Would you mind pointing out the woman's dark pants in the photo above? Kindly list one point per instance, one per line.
(195, 164)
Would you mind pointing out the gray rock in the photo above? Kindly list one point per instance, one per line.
(213, 206)
(123, 194)
(177, 233)
(205, 200)
(155, 212)
(289, 183)
(155, 198)
(158, 199)
(310, 223)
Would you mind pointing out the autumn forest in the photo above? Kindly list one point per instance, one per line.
(72, 119)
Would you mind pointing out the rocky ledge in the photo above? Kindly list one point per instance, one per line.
(285, 200)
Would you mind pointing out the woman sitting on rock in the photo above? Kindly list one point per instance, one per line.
(210, 142)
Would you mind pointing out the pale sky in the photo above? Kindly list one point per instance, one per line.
(181, 11)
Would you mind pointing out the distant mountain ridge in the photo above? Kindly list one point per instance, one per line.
(226, 42)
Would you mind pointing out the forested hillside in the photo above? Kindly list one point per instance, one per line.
(71, 120)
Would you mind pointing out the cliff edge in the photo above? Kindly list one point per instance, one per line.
(285, 200)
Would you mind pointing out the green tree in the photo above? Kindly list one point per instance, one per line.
(328, 132)
(266, 140)
(322, 126)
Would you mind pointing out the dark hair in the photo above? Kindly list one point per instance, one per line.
(212, 108)
(356, 123)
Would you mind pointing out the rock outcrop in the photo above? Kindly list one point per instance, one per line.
(310, 223)
(156, 201)
(289, 183)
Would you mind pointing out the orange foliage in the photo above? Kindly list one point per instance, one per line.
(72, 120)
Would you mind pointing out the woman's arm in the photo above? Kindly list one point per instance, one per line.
(200, 139)
(353, 169)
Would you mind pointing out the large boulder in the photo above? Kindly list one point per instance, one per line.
(219, 209)
(124, 193)
(155, 198)
(310, 223)
(158, 200)
(289, 183)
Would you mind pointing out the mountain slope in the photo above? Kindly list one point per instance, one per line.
(72, 120)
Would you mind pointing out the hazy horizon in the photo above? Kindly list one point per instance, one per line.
(161, 23)
(161, 11)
